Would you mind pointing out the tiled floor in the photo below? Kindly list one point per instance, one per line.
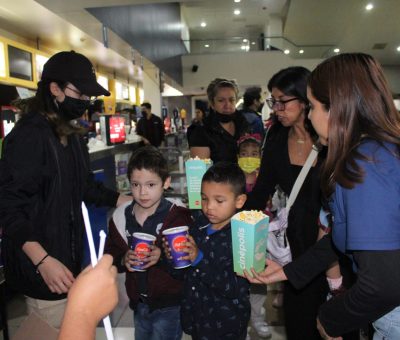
(125, 333)
(123, 321)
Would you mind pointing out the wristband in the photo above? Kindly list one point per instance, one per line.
(40, 262)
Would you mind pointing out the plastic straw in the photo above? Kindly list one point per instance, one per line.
(102, 235)
(93, 260)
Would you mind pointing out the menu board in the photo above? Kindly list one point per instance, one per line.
(20, 63)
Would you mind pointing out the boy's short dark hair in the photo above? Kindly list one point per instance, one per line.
(227, 173)
(148, 158)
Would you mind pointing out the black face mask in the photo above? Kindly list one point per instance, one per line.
(224, 118)
(72, 108)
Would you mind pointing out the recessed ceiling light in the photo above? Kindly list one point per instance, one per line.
(243, 47)
(286, 51)
(301, 51)
(207, 45)
(253, 42)
(336, 50)
(203, 24)
(369, 7)
(237, 0)
(398, 48)
(236, 11)
(245, 40)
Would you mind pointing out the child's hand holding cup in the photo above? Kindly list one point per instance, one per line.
(141, 246)
(177, 238)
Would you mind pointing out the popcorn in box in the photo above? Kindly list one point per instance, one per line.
(249, 240)
(195, 169)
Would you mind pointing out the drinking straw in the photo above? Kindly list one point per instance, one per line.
(102, 235)
(93, 260)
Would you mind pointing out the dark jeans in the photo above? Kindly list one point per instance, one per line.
(160, 324)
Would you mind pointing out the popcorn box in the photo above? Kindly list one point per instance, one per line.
(249, 240)
(195, 169)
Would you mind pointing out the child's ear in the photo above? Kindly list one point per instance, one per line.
(167, 183)
(240, 201)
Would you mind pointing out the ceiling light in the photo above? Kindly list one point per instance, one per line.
(243, 47)
(253, 42)
(398, 48)
(237, 0)
(286, 51)
(369, 7)
(203, 24)
(236, 11)
(207, 45)
(301, 51)
(245, 40)
(336, 50)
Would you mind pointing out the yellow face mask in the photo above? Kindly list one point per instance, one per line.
(249, 164)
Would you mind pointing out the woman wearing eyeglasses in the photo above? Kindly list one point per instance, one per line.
(217, 137)
(288, 145)
(356, 118)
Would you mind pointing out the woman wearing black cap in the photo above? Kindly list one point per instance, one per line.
(44, 177)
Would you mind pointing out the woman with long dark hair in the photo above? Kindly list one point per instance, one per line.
(44, 177)
(288, 144)
(353, 113)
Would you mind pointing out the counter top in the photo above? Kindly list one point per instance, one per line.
(96, 153)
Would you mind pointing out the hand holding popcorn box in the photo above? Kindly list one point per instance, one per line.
(249, 240)
(195, 169)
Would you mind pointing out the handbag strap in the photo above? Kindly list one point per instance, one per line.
(301, 177)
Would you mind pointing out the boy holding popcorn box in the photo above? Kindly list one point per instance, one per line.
(215, 303)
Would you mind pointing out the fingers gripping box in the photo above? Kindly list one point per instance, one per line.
(249, 240)
(195, 169)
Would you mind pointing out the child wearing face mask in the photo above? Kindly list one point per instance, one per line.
(249, 159)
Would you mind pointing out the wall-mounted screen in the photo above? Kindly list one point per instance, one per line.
(20, 63)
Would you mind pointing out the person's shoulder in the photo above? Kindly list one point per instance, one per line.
(376, 151)
(177, 207)
(120, 213)
(250, 116)
(32, 120)
(155, 117)
(382, 158)
(198, 135)
(31, 127)
(277, 135)
(198, 128)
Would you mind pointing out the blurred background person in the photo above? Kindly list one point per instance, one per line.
(217, 137)
(252, 106)
(197, 121)
(150, 127)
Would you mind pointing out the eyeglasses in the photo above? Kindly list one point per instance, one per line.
(278, 105)
(81, 96)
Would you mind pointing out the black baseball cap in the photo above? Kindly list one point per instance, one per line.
(76, 69)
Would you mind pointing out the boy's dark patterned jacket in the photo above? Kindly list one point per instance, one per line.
(216, 300)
